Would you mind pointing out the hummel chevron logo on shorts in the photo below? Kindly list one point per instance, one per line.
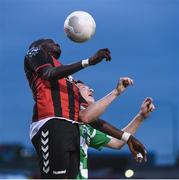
(45, 151)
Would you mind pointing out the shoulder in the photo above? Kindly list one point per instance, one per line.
(88, 130)
(92, 131)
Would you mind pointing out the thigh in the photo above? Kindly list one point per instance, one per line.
(75, 155)
(53, 144)
(74, 164)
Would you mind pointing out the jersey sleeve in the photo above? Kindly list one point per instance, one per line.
(37, 59)
(98, 139)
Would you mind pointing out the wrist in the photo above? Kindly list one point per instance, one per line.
(142, 115)
(85, 63)
(116, 92)
(125, 136)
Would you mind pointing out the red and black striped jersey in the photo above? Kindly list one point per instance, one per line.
(53, 98)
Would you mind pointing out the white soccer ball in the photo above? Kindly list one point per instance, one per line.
(79, 26)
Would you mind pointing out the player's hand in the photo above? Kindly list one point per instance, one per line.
(137, 149)
(123, 83)
(99, 56)
(147, 107)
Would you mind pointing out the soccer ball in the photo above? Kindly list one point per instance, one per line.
(79, 26)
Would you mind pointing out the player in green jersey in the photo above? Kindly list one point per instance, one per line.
(90, 137)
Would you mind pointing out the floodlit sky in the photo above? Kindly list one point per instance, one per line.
(143, 38)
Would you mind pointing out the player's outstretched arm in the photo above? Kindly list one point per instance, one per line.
(40, 62)
(134, 145)
(146, 108)
(94, 110)
(55, 73)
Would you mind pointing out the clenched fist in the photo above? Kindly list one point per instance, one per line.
(99, 56)
(147, 107)
(123, 83)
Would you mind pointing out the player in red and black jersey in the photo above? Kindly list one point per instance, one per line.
(54, 129)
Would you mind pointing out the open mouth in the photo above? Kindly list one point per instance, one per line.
(91, 95)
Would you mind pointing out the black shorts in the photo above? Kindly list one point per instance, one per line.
(58, 146)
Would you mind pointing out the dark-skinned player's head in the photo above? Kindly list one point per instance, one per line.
(49, 46)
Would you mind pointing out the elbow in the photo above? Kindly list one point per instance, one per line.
(119, 146)
(50, 74)
(116, 143)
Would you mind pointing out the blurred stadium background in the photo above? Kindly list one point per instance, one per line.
(143, 36)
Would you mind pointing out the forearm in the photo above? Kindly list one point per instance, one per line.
(130, 128)
(55, 73)
(94, 110)
(115, 143)
(107, 128)
(134, 124)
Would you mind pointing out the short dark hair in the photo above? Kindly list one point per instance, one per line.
(37, 43)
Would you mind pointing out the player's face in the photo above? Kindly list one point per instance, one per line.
(52, 47)
(86, 92)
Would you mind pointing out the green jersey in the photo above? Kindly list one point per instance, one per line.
(89, 137)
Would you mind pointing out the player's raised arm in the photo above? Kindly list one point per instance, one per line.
(94, 110)
(52, 73)
(40, 59)
(146, 108)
